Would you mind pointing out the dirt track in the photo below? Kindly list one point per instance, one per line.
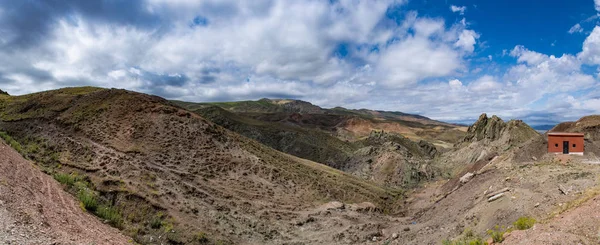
(34, 209)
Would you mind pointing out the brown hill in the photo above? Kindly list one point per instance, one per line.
(384, 158)
(345, 124)
(171, 175)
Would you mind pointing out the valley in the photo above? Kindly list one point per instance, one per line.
(288, 172)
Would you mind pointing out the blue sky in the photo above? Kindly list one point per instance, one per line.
(448, 60)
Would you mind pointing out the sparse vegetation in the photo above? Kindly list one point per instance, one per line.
(88, 199)
(524, 223)
(497, 234)
(473, 241)
(157, 221)
(67, 179)
(468, 238)
(11, 142)
(201, 238)
(111, 214)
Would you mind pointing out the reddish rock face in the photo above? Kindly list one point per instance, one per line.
(565, 143)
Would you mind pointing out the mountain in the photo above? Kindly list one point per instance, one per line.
(340, 138)
(166, 175)
(343, 123)
(169, 174)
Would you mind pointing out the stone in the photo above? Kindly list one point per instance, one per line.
(465, 178)
(407, 228)
(496, 197)
(334, 205)
(395, 236)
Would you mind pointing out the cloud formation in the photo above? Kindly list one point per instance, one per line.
(350, 53)
(458, 9)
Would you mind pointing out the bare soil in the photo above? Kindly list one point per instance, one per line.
(34, 208)
(580, 225)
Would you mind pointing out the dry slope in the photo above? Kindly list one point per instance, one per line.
(34, 209)
(173, 176)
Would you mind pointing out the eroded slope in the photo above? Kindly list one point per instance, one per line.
(155, 161)
(34, 209)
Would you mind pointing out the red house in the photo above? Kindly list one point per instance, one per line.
(565, 143)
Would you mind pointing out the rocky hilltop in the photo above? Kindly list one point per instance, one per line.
(513, 132)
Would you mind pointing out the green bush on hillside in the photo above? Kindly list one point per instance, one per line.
(524, 223)
(66, 179)
(110, 214)
(11, 142)
(88, 199)
(497, 234)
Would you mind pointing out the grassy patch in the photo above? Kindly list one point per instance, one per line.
(524, 223)
(66, 179)
(88, 199)
(473, 241)
(110, 214)
(497, 234)
(468, 238)
(11, 142)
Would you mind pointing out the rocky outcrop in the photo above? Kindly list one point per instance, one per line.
(513, 132)
(485, 128)
(3, 92)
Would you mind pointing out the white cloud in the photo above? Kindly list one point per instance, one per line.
(597, 5)
(276, 48)
(485, 83)
(467, 40)
(591, 48)
(455, 84)
(460, 9)
(527, 56)
(576, 29)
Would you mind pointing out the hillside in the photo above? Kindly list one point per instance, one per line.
(172, 175)
(341, 138)
(346, 124)
(34, 209)
(395, 161)
(166, 175)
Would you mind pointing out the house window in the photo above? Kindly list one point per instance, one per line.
(574, 145)
(555, 145)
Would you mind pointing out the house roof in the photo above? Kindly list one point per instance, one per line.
(565, 134)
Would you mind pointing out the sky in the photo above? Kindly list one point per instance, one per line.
(449, 60)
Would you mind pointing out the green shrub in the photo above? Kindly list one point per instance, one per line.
(201, 238)
(66, 179)
(11, 142)
(110, 214)
(524, 223)
(156, 222)
(465, 241)
(497, 234)
(88, 199)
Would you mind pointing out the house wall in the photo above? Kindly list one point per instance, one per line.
(555, 143)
